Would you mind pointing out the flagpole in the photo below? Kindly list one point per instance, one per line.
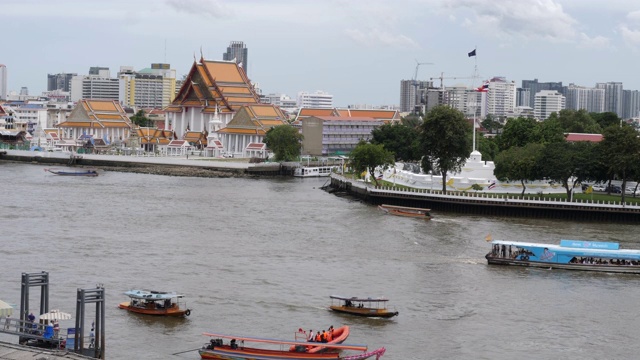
(475, 103)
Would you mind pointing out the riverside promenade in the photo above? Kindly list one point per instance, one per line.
(485, 204)
(159, 165)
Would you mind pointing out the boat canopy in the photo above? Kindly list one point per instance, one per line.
(151, 295)
(578, 248)
(357, 299)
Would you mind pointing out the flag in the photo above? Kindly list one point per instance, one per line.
(589, 190)
(488, 237)
(450, 182)
(472, 53)
(484, 87)
(492, 185)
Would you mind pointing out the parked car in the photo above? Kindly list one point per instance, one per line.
(598, 187)
(614, 189)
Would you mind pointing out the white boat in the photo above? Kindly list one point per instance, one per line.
(474, 172)
(314, 171)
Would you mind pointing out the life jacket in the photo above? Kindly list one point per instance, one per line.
(318, 337)
(325, 337)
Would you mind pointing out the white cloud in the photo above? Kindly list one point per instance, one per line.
(634, 16)
(199, 7)
(630, 36)
(597, 42)
(540, 19)
(375, 37)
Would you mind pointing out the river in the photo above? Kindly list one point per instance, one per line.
(260, 257)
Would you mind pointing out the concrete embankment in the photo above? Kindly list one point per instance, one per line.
(172, 166)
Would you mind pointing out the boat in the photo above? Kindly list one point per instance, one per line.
(406, 211)
(369, 307)
(569, 254)
(313, 171)
(339, 336)
(84, 172)
(235, 349)
(155, 303)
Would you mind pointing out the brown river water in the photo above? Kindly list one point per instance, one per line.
(260, 257)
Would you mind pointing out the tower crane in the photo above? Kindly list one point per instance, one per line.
(415, 74)
(442, 77)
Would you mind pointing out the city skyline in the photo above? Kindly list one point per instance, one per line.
(359, 51)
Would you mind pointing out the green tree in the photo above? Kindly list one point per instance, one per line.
(518, 132)
(569, 163)
(578, 121)
(412, 120)
(445, 141)
(285, 141)
(487, 146)
(621, 150)
(366, 157)
(550, 130)
(519, 164)
(399, 139)
(606, 119)
(491, 124)
(140, 119)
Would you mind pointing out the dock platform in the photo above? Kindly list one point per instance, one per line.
(20, 352)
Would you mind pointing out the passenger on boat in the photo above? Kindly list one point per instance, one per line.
(330, 333)
(325, 337)
(348, 303)
(310, 338)
(233, 344)
(318, 337)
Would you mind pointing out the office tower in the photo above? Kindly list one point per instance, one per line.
(523, 97)
(612, 96)
(412, 94)
(630, 104)
(97, 85)
(97, 70)
(3, 82)
(535, 87)
(584, 98)
(60, 81)
(501, 97)
(148, 88)
(238, 51)
(547, 102)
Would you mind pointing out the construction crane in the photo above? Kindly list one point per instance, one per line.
(415, 74)
(442, 77)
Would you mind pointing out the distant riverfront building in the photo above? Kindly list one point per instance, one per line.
(547, 102)
(60, 81)
(584, 98)
(318, 99)
(612, 97)
(335, 135)
(97, 85)
(238, 52)
(149, 88)
(100, 119)
(3, 82)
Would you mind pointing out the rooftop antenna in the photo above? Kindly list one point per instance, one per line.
(201, 55)
(165, 50)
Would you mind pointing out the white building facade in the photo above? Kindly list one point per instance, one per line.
(500, 97)
(150, 88)
(318, 99)
(3, 82)
(548, 102)
(97, 87)
(584, 98)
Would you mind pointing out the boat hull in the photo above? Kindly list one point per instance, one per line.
(225, 352)
(172, 311)
(491, 260)
(366, 312)
(406, 212)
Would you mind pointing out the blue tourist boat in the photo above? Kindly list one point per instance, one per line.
(569, 254)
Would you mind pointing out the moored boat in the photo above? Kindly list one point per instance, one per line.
(406, 211)
(155, 303)
(569, 254)
(369, 307)
(313, 171)
(235, 349)
(83, 172)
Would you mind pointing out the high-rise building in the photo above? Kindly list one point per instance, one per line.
(149, 88)
(98, 86)
(97, 70)
(501, 97)
(3, 82)
(523, 97)
(630, 104)
(413, 94)
(547, 102)
(238, 51)
(318, 99)
(535, 87)
(612, 96)
(60, 81)
(584, 98)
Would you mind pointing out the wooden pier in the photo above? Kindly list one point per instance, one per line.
(488, 204)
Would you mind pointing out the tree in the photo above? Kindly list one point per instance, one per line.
(569, 163)
(518, 132)
(606, 119)
(487, 146)
(519, 164)
(491, 124)
(399, 139)
(285, 141)
(412, 120)
(366, 157)
(578, 121)
(550, 130)
(621, 151)
(140, 119)
(445, 141)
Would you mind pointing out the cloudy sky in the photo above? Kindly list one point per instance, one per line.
(357, 50)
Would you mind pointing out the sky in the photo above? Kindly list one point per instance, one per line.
(357, 50)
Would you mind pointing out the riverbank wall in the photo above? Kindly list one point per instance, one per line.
(489, 205)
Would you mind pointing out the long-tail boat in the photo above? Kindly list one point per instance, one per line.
(155, 303)
(369, 307)
(235, 349)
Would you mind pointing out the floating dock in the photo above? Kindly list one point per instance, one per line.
(19, 352)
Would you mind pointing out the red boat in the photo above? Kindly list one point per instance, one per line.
(406, 211)
(339, 336)
(235, 349)
(158, 303)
